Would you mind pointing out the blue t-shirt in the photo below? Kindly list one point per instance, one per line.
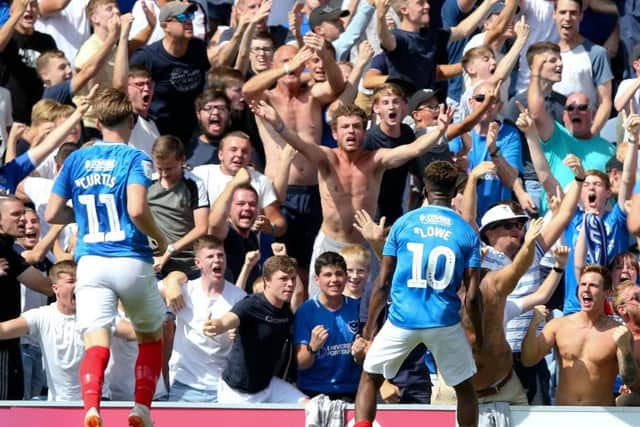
(615, 223)
(490, 189)
(333, 370)
(416, 55)
(13, 172)
(178, 81)
(432, 246)
(96, 180)
(61, 93)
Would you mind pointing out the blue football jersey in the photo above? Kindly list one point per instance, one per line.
(432, 246)
(95, 179)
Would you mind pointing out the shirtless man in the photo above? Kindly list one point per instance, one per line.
(349, 176)
(301, 110)
(626, 302)
(592, 347)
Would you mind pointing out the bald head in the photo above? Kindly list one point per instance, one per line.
(284, 54)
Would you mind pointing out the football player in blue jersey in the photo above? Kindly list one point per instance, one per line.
(428, 254)
(107, 184)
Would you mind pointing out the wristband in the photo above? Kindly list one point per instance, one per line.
(311, 350)
(579, 179)
(280, 127)
(558, 270)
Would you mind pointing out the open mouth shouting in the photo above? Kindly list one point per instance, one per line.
(587, 300)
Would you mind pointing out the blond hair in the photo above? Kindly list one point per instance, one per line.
(356, 253)
(475, 53)
(388, 89)
(43, 60)
(62, 267)
(618, 293)
(43, 111)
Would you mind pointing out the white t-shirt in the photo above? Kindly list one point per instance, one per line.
(144, 134)
(215, 181)
(539, 16)
(197, 360)
(62, 349)
(624, 85)
(140, 22)
(69, 28)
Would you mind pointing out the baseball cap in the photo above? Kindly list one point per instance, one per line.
(499, 213)
(325, 13)
(419, 97)
(174, 8)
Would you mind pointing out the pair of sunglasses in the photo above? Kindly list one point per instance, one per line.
(579, 107)
(184, 17)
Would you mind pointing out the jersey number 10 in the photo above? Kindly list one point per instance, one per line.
(417, 269)
(94, 235)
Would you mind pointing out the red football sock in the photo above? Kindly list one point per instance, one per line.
(364, 423)
(148, 367)
(92, 375)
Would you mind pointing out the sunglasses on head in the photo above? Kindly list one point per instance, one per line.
(184, 17)
(579, 107)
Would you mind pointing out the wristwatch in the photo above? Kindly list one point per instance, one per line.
(310, 349)
(171, 248)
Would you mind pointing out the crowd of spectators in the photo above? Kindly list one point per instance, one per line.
(302, 130)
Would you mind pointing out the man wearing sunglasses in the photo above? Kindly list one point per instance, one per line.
(178, 65)
(589, 70)
(573, 136)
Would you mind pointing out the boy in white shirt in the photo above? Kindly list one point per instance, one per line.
(197, 361)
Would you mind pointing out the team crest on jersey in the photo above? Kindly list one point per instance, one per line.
(435, 219)
(354, 326)
(147, 168)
